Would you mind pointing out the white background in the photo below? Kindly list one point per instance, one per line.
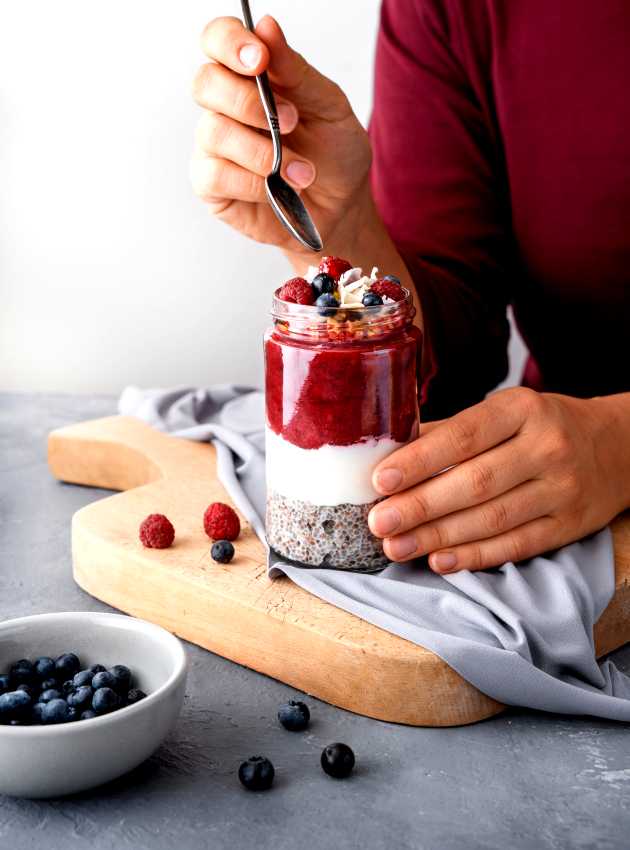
(111, 271)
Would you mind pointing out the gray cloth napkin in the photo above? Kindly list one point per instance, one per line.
(521, 634)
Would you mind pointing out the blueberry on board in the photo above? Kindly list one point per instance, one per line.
(327, 304)
(88, 714)
(222, 551)
(44, 668)
(47, 696)
(5, 683)
(393, 278)
(294, 715)
(37, 713)
(337, 760)
(105, 679)
(135, 695)
(97, 668)
(122, 678)
(66, 666)
(323, 283)
(256, 774)
(105, 700)
(81, 698)
(14, 705)
(84, 677)
(55, 711)
(47, 684)
(22, 673)
(371, 299)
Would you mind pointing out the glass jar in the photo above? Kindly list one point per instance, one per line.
(341, 394)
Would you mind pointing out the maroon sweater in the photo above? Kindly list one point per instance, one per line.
(501, 135)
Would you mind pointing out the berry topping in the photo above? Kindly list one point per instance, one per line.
(156, 532)
(104, 680)
(221, 522)
(222, 551)
(82, 678)
(294, 715)
(323, 283)
(47, 696)
(14, 705)
(371, 299)
(296, 291)
(256, 774)
(334, 266)
(327, 304)
(337, 760)
(81, 698)
(122, 678)
(386, 287)
(66, 666)
(105, 700)
(44, 668)
(56, 711)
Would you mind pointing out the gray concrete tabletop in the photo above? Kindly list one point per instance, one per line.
(520, 780)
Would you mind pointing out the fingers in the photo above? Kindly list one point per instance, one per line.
(218, 182)
(455, 440)
(526, 541)
(524, 503)
(226, 40)
(470, 483)
(220, 90)
(224, 138)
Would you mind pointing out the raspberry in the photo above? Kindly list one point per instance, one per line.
(388, 288)
(156, 532)
(296, 291)
(334, 266)
(221, 522)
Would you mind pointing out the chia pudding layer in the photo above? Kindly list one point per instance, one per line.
(323, 536)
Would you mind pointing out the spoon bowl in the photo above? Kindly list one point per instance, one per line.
(288, 206)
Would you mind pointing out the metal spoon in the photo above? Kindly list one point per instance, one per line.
(284, 200)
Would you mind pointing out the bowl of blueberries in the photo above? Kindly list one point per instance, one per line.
(84, 698)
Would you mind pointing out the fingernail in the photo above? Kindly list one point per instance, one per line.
(403, 546)
(387, 480)
(287, 116)
(249, 55)
(443, 561)
(301, 173)
(384, 520)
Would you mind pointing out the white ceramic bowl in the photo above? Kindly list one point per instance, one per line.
(48, 761)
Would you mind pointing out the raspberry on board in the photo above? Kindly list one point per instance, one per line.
(221, 522)
(156, 532)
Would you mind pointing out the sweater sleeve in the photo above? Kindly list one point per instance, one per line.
(437, 180)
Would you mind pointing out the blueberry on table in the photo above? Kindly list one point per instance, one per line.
(371, 299)
(222, 551)
(84, 677)
(337, 760)
(122, 678)
(88, 714)
(47, 696)
(294, 715)
(97, 668)
(5, 683)
(14, 705)
(104, 679)
(323, 283)
(56, 711)
(66, 666)
(81, 698)
(256, 774)
(22, 673)
(105, 700)
(135, 695)
(44, 668)
(327, 304)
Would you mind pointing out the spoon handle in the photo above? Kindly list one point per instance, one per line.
(267, 98)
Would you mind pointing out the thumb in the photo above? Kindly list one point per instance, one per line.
(311, 92)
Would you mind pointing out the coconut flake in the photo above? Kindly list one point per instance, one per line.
(350, 276)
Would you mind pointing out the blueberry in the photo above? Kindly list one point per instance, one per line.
(73, 713)
(47, 684)
(67, 687)
(5, 683)
(37, 713)
(371, 299)
(105, 700)
(323, 283)
(81, 698)
(55, 711)
(83, 678)
(337, 760)
(66, 666)
(97, 668)
(44, 667)
(122, 678)
(327, 304)
(135, 695)
(256, 774)
(47, 696)
(88, 714)
(105, 679)
(28, 689)
(22, 673)
(393, 278)
(14, 705)
(294, 715)
(222, 551)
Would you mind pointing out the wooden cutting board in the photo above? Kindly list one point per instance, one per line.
(274, 626)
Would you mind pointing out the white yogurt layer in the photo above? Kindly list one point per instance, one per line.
(330, 475)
